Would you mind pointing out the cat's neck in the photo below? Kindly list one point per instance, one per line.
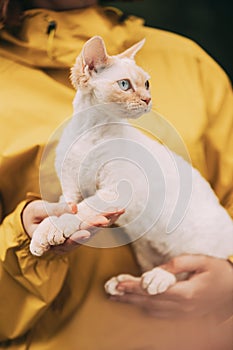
(82, 102)
(88, 113)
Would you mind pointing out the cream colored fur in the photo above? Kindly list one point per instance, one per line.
(96, 163)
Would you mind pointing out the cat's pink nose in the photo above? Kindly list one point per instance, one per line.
(146, 100)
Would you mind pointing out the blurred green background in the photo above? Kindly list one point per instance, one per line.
(207, 22)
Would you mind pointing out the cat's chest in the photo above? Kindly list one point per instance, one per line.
(86, 161)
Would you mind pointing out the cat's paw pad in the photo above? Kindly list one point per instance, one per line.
(157, 281)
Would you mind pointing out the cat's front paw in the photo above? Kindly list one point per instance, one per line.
(157, 280)
(53, 231)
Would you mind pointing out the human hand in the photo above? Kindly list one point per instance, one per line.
(38, 212)
(209, 288)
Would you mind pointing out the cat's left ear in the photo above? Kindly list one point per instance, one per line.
(94, 54)
(132, 51)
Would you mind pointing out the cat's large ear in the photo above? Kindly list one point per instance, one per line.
(92, 58)
(94, 54)
(131, 51)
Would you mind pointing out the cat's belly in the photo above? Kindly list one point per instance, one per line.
(205, 228)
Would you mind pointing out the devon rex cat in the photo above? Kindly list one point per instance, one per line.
(100, 151)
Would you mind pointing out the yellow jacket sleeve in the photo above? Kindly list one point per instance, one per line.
(218, 137)
(28, 284)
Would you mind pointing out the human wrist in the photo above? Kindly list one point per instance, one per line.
(12, 224)
(26, 212)
(24, 217)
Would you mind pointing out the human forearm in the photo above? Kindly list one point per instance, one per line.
(28, 284)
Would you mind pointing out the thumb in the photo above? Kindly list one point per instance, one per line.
(186, 263)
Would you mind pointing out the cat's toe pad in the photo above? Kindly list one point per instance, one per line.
(157, 281)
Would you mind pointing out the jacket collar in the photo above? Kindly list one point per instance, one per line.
(54, 39)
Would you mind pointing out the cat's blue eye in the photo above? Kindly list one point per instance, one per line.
(147, 85)
(124, 84)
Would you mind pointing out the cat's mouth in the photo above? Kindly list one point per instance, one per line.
(136, 110)
(131, 110)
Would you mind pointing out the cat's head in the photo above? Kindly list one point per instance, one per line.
(115, 80)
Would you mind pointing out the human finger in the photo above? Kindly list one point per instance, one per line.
(79, 236)
(181, 292)
(113, 211)
(161, 309)
(131, 287)
(134, 287)
(140, 300)
(75, 240)
(186, 263)
(113, 219)
(112, 214)
(93, 222)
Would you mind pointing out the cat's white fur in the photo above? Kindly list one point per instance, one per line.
(99, 132)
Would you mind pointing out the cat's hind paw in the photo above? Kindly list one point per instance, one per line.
(157, 280)
(111, 287)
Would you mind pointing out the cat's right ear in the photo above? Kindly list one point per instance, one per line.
(94, 54)
(93, 58)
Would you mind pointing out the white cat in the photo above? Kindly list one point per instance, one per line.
(102, 161)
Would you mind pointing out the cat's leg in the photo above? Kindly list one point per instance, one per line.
(70, 191)
(147, 254)
(102, 201)
(153, 282)
(72, 201)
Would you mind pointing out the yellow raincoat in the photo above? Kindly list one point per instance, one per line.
(58, 302)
